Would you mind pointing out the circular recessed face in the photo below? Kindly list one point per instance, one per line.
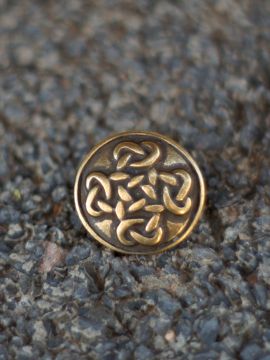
(139, 193)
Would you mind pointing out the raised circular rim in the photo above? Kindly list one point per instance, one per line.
(172, 143)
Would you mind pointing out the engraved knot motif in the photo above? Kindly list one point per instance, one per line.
(132, 197)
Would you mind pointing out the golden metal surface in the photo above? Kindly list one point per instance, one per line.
(139, 193)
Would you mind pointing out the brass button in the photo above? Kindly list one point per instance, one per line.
(139, 193)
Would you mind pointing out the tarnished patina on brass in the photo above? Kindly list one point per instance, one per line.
(139, 193)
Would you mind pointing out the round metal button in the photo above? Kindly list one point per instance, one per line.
(139, 193)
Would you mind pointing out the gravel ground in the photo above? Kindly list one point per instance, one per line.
(73, 72)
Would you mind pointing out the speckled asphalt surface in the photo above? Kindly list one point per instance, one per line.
(73, 72)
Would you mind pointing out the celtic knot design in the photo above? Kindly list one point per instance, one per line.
(137, 193)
